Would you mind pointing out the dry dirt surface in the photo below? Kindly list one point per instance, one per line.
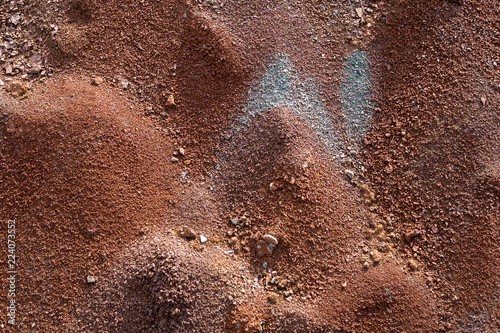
(250, 166)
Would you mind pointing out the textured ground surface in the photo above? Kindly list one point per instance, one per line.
(251, 166)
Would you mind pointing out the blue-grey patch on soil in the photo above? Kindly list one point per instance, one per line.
(355, 96)
(281, 87)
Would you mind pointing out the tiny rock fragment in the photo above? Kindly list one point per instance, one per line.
(174, 159)
(344, 284)
(170, 101)
(181, 151)
(17, 89)
(36, 59)
(349, 173)
(8, 70)
(359, 11)
(124, 84)
(272, 298)
(15, 19)
(410, 235)
(187, 233)
(273, 187)
(34, 70)
(483, 100)
(262, 249)
(367, 193)
(376, 256)
(412, 264)
(270, 239)
(203, 239)
(91, 279)
(389, 168)
(96, 81)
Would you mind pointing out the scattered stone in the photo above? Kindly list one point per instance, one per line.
(389, 168)
(376, 256)
(124, 84)
(17, 89)
(203, 239)
(234, 221)
(170, 101)
(412, 264)
(410, 235)
(270, 240)
(15, 19)
(8, 70)
(483, 100)
(344, 284)
(174, 159)
(272, 298)
(34, 70)
(359, 11)
(91, 279)
(96, 81)
(349, 173)
(263, 249)
(179, 152)
(36, 59)
(187, 233)
(273, 187)
(367, 193)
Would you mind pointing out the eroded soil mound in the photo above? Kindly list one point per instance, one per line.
(91, 175)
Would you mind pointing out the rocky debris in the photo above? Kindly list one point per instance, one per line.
(186, 233)
(170, 102)
(367, 193)
(375, 256)
(412, 264)
(272, 298)
(266, 245)
(203, 239)
(17, 89)
(15, 19)
(180, 152)
(410, 235)
(96, 81)
(91, 279)
(8, 70)
(121, 82)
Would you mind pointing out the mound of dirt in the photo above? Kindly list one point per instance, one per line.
(91, 174)
(333, 165)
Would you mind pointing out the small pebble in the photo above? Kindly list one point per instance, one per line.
(203, 239)
(412, 264)
(170, 101)
(96, 81)
(272, 298)
(376, 256)
(91, 279)
(270, 239)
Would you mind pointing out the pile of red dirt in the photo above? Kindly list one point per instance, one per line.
(81, 175)
(277, 235)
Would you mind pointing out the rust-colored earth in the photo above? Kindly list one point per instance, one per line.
(250, 166)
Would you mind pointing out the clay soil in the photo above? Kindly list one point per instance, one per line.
(196, 166)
